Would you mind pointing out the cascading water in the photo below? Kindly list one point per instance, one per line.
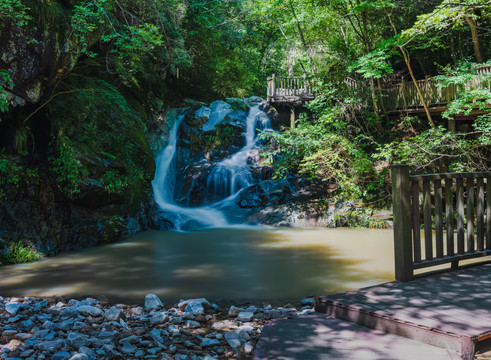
(225, 179)
(231, 175)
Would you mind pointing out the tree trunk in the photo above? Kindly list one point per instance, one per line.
(405, 54)
(475, 38)
(300, 32)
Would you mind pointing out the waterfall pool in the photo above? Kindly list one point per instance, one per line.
(238, 263)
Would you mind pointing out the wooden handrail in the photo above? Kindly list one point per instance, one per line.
(394, 97)
(460, 207)
(405, 96)
(290, 88)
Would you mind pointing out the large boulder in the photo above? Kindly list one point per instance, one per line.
(265, 193)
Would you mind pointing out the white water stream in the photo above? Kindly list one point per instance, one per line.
(226, 179)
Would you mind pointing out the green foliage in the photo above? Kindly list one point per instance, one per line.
(221, 137)
(104, 140)
(435, 151)
(68, 169)
(13, 11)
(464, 75)
(12, 173)
(373, 65)
(19, 253)
(316, 149)
(5, 82)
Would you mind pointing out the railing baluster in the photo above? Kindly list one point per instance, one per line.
(427, 220)
(488, 213)
(416, 221)
(480, 214)
(438, 218)
(470, 215)
(449, 217)
(460, 216)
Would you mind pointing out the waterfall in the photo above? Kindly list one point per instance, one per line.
(224, 181)
(233, 174)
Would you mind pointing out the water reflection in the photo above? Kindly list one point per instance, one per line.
(255, 263)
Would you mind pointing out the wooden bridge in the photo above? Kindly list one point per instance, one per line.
(393, 97)
(451, 310)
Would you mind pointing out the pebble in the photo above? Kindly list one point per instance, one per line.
(152, 302)
(193, 329)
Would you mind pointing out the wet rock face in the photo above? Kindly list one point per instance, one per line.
(52, 224)
(194, 329)
(35, 59)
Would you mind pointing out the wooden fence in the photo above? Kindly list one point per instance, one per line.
(457, 209)
(290, 88)
(405, 96)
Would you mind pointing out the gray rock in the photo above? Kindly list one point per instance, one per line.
(191, 324)
(205, 303)
(156, 336)
(252, 309)
(13, 308)
(106, 335)
(114, 314)
(234, 311)
(224, 325)
(51, 345)
(86, 350)
(152, 302)
(245, 316)
(209, 343)
(41, 305)
(79, 356)
(195, 308)
(77, 340)
(233, 340)
(128, 348)
(248, 348)
(137, 311)
(159, 318)
(307, 301)
(61, 355)
(89, 310)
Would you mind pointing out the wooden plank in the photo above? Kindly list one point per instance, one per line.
(470, 215)
(460, 216)
(416, 221)
(438, 218)
(402, 222)
(428, 228)
(480, 214)
(449, 216)
(488, 213)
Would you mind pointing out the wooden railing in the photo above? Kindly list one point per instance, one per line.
(405, 96)
(290, 88)
(458, 209)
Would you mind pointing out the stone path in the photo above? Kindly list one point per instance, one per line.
(317, 337)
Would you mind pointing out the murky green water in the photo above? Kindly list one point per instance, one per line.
(252, 263)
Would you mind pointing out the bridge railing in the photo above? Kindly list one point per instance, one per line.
(290, 88)
(405, 96)
(455, 214)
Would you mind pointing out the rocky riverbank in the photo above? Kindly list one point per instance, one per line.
(194, 329)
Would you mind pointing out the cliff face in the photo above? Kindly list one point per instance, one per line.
(75, 165)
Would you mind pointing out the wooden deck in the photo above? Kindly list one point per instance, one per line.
(450, 310)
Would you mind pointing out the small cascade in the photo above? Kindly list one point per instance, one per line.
(224, 181)
(231, 175)
(163, 189)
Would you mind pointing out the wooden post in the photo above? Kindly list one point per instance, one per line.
(273, 94)
(292, 116)
(403, 249)
(451, 125)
